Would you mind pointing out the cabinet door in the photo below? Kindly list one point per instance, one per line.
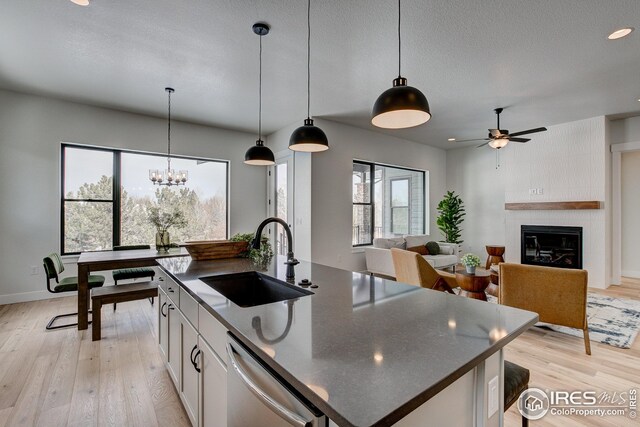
(174, 343)
(163, 324)
(213, 388)
(190, 369)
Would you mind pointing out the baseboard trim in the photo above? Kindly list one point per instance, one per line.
(631, 273)
(30, 296)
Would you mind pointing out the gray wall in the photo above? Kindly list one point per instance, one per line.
(31, 130)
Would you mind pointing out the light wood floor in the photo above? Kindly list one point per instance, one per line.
(62, 378)
(558, 362)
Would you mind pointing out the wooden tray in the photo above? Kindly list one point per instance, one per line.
(215, 249)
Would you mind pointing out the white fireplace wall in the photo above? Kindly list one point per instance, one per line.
(569, 163)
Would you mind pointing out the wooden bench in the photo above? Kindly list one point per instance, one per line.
(115, 294)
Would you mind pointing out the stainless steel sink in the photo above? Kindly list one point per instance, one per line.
(252, 288)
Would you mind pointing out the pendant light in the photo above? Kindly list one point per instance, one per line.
(401, 106)
(308, 138)
(259, 155)
(168, 176)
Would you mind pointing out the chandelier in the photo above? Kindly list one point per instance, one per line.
(168, 176)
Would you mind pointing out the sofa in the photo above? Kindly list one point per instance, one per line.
(379, 261)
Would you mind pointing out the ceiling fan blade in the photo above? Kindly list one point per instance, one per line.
(526, 132)
(477, 139)
(519, 139)
(482, 145)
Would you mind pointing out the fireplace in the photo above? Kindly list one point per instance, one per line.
(551, 246)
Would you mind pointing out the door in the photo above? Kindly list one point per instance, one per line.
(163, 324)
(189, 369)
(281, 199)
(213, 387)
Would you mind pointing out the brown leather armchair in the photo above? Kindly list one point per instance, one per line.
(558, 295)
(413, 269)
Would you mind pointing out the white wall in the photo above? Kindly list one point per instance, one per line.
(625, 130)
(472, 173)
(630, 214)
(331, 190)
(31, 129)
(569, 162)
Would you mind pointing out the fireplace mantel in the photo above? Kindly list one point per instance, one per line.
(541, 206)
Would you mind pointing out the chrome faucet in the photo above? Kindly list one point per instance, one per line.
(291, 261)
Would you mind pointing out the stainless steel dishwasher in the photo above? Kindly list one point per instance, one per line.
(256, 396)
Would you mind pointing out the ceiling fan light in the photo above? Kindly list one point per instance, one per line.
(498, 143)
(81, 2)
(400, 107)
(308, 138)
(259, 155)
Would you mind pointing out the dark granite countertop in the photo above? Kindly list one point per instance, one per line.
(364, 350)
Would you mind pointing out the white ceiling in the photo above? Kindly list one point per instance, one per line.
(546, 61)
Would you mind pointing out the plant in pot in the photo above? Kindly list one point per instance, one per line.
(261, 257)
(470, 262)
(162, 220)
(452, 213)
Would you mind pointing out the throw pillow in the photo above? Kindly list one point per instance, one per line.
(398, 243)
(422, 250)
(433, 248)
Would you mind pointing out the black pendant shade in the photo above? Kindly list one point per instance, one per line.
(400, 107)
(308, 138)
(259, 155)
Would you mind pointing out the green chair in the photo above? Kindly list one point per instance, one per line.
(53, 267)
(132, 273)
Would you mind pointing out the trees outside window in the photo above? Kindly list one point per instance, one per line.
(107, 196)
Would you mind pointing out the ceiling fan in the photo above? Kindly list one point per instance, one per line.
(499, 138)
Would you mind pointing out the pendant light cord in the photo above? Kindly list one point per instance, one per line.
(308, 59)
(399, 41)
(260, 95)
(169, 132)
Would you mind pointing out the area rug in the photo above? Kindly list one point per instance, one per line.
(612, 321)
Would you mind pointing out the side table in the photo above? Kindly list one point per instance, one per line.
(496, 255)
(473, 285)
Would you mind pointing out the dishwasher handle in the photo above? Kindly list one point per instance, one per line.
(289, 416)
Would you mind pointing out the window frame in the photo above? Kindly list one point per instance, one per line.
(117, 188)
(372, 201)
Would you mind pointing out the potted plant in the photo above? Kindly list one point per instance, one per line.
(162, 221)
(470, 262)
(451, 210)
(260, 257)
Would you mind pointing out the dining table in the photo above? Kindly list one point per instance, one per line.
(112, 260)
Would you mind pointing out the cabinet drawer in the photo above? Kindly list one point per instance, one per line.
(172, 289)
(189, 307)
(214, 333)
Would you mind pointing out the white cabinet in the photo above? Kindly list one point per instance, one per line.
(190, 371)
(163, 324)
(174, 343)
(213, 387)
(192, 343)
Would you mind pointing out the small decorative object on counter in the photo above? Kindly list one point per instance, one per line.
(162, 220)
(470, 261)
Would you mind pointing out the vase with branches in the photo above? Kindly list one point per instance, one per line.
(451, 210)
(162, 220)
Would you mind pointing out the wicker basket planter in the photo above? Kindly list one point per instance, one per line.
(215, 249)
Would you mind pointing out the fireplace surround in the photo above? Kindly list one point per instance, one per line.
(551, 246)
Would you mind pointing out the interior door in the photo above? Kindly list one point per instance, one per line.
(281, 199)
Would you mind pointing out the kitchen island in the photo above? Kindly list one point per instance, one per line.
(362, 350)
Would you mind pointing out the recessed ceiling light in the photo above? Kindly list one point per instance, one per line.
(451, 139)
(622, 32)
(81, 2)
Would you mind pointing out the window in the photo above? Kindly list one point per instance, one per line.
(387, 201)
(106, 195)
